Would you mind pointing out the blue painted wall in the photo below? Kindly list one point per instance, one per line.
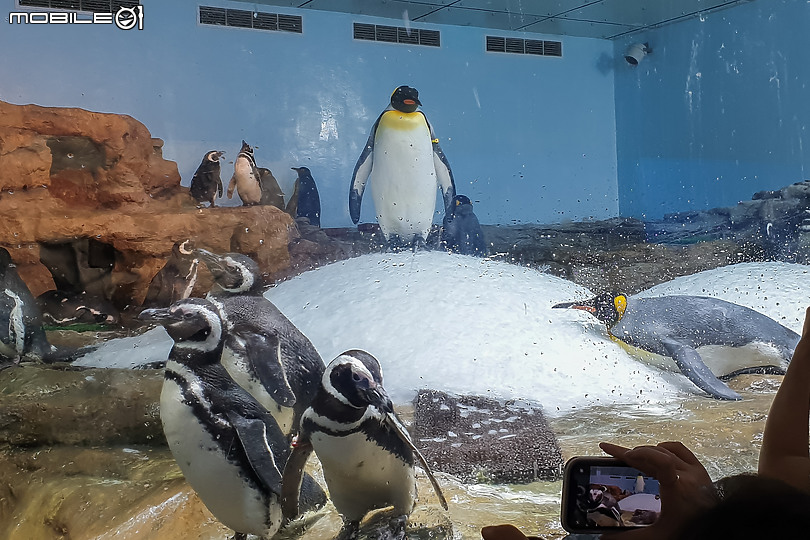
(531, 139)
(718, 111)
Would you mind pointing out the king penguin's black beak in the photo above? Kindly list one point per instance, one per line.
(584, 306)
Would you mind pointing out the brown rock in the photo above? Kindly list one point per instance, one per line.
(69, 175)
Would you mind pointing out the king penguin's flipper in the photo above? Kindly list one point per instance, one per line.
(444, 174)
(361, 171)
(252, 434)
(293, 477)
(691, 364)
(264, 354)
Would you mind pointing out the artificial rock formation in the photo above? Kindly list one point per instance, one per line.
(80, 182)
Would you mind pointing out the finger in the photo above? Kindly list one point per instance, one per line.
(682, 452)
(613, 449)
(806, 329)
(655, 461)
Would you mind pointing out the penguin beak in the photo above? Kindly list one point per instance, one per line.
(584, 306)
(211, 260)
(376, 395)
(155, 315)
(411, 102)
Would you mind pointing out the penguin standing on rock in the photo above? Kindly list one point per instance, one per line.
(461, 231)
(21, 333)
(405, 163)
(366, 453)
(305, 201)
(230, 450)
(271, 192)
(677, 326)
(246, 177)
(274, 362)
(176, 280)
(206, 184)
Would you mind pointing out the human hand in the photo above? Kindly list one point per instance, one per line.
(685, 486)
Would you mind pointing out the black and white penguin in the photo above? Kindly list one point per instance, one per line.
(461, 232)
(246, 177)
(206, 184)
(367, 455)
(62, 308)
(276, 364)
(230, 450)
(176, 280)
(21, 333)
(271, 192)
(406, 163)
(305, 201)
(736, 339)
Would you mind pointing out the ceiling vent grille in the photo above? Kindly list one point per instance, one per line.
(258, 20)
(94, 6)
(397, 34)
(523, 46)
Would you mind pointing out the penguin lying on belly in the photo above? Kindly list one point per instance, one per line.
(366, 453)
(265, 353)
(676, 326)
(229, 448)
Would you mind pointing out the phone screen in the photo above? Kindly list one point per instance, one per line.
(603, 494)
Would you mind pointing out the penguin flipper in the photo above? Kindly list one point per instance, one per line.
(293, 477)
(252, 433)
(219, 186)
(231, 186)
(360, 175)
(264, 350)
(691, 364)
(292, 204)
(444, 175)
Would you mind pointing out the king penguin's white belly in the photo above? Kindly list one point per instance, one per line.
(362, 476)
(216, 481)
(403, 177)
(238, 370)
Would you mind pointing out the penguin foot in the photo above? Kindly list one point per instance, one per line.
(398, 525)
(348, 531)
(418, 244)
(239, 536)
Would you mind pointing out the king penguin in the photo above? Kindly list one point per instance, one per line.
(367, 455)
(405, 162)
(677, 326)
(230, 450)
(305, 201)
(206, 184)
(461, 231)
(276, 363)
(21, 332)
(246, 177)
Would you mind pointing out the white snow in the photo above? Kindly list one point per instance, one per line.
(474, 326)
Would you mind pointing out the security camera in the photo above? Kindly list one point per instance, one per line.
(636, 52)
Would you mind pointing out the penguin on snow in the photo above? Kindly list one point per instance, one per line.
(176, 280)
(305, 201)
(274, 361)
(677, 326)
(405, 162)
(246, 177)
(206, 184)
(367, 455)
(229, 448)
(461, 231)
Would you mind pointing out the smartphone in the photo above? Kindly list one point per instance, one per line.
(603, 494)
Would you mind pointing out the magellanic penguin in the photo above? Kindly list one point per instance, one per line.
(271, 192)
(405, 163)
(176, 280)
(230, 450)
(246, 177)
(206, 184)
(678, 326)
(305, 201)
(21, 332)
(366, 453)
(461, 231)
(275, 363)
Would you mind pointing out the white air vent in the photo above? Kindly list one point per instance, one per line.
(397, 34)
(523, 46)
(258, 20)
